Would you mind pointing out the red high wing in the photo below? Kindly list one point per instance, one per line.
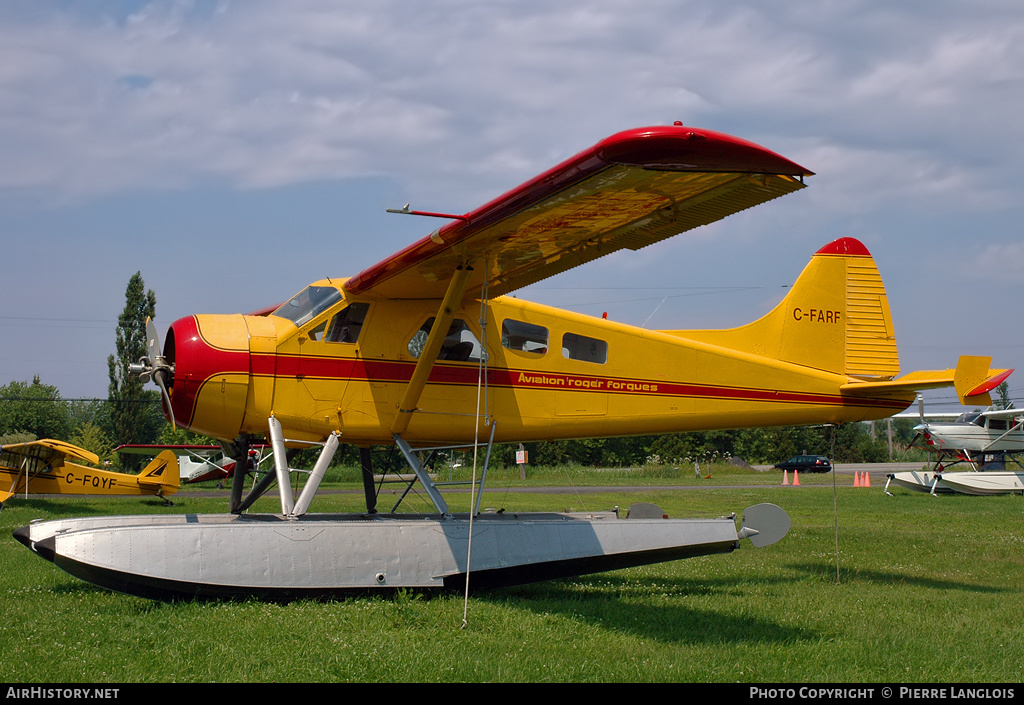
(630, 190)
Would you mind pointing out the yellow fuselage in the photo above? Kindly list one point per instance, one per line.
(65, 478)
(549, 374)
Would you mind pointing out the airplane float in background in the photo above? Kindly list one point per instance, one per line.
(48, 467)
(424, 350)
(985, 440)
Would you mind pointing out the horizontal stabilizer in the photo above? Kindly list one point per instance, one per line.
(972, 379)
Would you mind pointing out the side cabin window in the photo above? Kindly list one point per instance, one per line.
(344, 327)
(460, 344)
(997, 424)
(580, 347)
(309, 302)
(24, 463)
(525, 337)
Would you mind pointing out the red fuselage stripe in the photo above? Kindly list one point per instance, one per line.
(391, 371)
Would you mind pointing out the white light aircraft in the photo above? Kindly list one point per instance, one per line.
(196, 463)
(986, 440)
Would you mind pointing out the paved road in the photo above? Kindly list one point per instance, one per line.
(873, 469)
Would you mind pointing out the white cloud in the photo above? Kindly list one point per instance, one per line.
(1000, 264)
(908, 113)
(262, 94)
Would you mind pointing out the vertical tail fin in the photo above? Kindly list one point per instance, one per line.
(163, 471)
(835, 318)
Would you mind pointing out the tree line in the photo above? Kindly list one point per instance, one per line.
(132, 414)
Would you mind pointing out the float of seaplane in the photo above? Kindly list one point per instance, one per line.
(426, 350)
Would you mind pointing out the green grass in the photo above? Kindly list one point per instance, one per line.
(925, 591)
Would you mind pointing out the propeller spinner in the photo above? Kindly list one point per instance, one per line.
(154, 366)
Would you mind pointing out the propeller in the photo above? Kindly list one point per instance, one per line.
(154, 367)
(921, 426)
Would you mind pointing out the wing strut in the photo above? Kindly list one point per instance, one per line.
(449, 305)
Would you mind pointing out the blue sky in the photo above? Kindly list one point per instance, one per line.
(235, 151)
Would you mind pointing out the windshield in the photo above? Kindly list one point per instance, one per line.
(971, 417)
(308, 303)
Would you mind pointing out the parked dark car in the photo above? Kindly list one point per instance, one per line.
(806, 463)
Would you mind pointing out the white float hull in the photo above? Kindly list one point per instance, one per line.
(273, 557)
(920, 481)
(986, 483)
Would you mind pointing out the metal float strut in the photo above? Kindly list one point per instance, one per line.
(421, 474)
(289, 506)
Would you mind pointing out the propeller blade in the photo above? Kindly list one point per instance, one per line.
(153, 367)
(153, 349)
(160, 377)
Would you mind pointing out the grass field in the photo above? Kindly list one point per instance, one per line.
(920, 589)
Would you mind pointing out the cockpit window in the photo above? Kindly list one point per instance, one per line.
(308, 303)
(347, 324)
(343, 327)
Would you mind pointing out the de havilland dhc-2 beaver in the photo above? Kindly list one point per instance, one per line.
(424, 350)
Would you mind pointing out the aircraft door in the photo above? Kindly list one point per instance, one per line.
(262, 370)
(329, 352)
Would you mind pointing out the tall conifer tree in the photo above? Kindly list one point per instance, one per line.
(134, 411)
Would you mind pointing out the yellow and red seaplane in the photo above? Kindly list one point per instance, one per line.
(425, 350)
(48, 466)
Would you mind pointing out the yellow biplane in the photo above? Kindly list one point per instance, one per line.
(48, 467)
(424, 350)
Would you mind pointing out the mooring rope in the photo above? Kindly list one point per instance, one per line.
(480, 382)
(835, 500)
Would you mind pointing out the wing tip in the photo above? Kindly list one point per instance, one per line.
(684, 148)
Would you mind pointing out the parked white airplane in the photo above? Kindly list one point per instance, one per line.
(987, 440)
(977, 432)
(196, 463)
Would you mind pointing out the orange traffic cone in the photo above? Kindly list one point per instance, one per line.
(785, 477)
(865, 480)
(796, 478)
(856, 478)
